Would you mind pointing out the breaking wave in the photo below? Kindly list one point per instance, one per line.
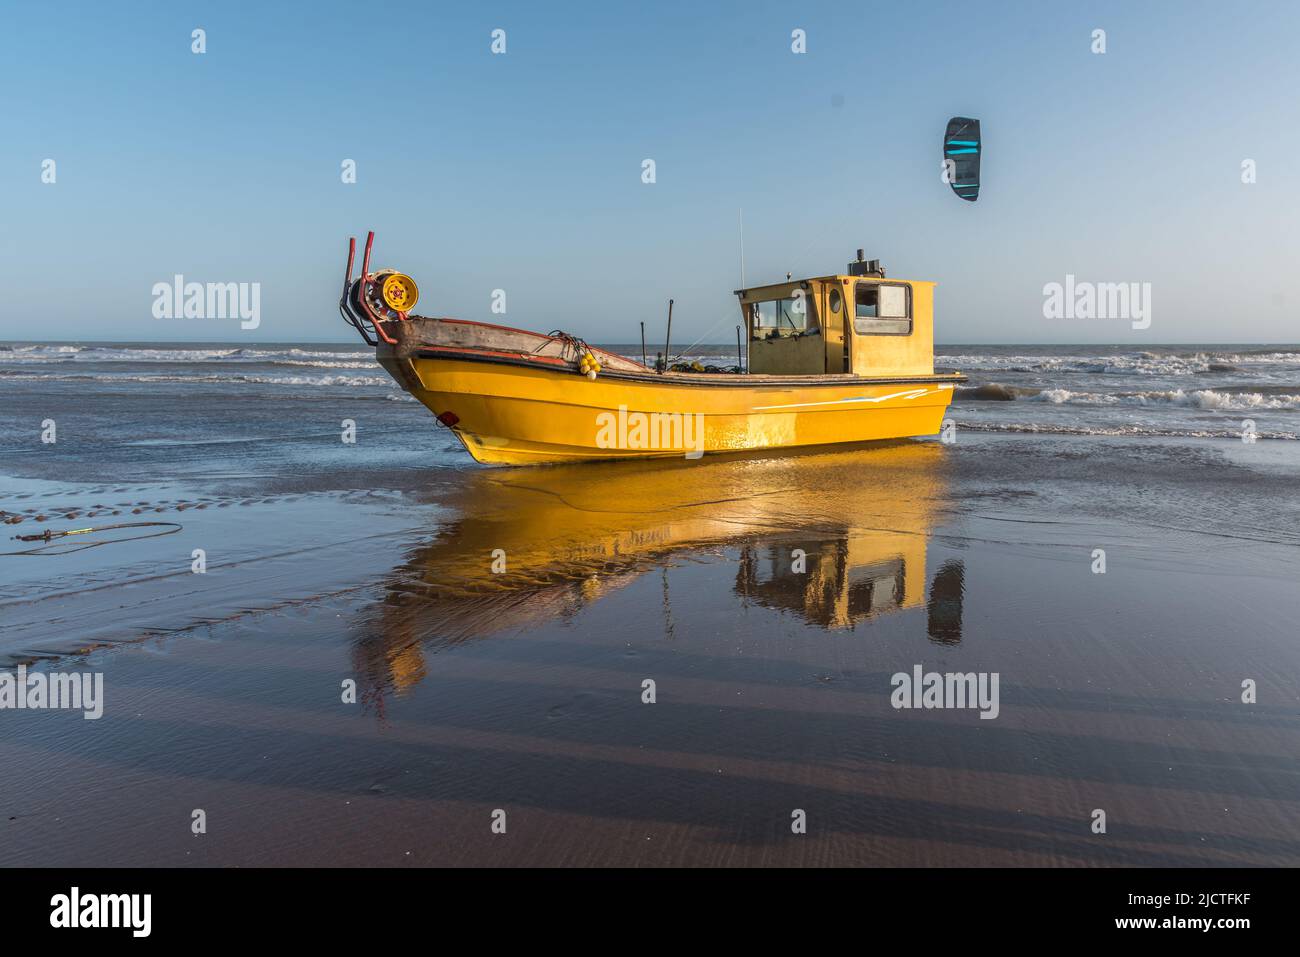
(1268, 398)
(105, 353)
(1140, 429)
(1208, 399)
(1132, 363)
(236, 378)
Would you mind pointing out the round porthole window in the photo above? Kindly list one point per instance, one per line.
(835, 301)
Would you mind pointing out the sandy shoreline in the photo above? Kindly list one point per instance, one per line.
(522, 691)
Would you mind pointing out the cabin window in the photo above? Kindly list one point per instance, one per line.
(882, 309)
(835, 301)
(781, 317)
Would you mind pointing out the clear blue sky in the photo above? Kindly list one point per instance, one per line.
(523, 171)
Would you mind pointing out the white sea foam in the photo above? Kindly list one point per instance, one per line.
(1208, 399)
(232, 378)
(1132, 363)
(94, 353)
(372, 364)
(1053, 428)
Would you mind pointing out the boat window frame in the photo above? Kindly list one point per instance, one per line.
(812, 320)
(911, 318)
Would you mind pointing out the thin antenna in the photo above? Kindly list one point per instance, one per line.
(668, 338)
(742, 247)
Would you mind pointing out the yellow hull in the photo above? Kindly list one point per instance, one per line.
(513, 415)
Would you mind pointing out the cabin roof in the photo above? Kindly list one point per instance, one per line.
(833, 277)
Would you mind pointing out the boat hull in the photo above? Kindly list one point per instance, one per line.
(515, 414)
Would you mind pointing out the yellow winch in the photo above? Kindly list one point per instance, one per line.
(399, 291)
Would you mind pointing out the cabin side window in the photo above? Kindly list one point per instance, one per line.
(775, 318)
(882, 309)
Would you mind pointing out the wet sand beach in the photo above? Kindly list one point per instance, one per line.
(522, 690)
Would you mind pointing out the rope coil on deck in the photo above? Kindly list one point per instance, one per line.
(587, 363)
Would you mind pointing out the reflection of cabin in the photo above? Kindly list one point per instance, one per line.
(842, 582)
(860, 323)
(947, 591)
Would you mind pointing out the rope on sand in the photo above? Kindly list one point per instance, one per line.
(52, 547)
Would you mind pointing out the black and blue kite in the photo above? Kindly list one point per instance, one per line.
(961, 145)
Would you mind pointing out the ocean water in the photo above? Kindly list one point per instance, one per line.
(1190, 391)
(206, 411)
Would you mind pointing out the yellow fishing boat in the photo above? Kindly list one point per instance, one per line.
(834, 359)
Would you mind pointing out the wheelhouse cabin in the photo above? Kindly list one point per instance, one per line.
(859, 323)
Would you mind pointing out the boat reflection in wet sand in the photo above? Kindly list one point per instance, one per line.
(562, 538)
